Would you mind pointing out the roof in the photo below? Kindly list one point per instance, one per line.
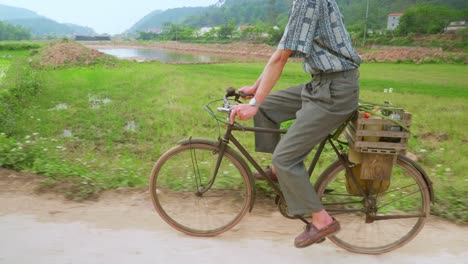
(395, 14)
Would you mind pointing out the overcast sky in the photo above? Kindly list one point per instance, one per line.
(104, 16)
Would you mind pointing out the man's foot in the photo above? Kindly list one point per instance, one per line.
(313, 235)
(269, 172)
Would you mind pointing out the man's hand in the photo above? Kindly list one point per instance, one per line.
(249, 91)
(243, 112)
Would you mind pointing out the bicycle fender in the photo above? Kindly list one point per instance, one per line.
(423, 173)
(232, 152)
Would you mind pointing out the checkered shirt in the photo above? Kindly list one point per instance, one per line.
(316, 33)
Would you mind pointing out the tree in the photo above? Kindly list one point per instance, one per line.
(226, 31)
(10, 32)
(426, 19)
(147, 35)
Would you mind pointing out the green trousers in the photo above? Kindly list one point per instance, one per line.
(318, 107)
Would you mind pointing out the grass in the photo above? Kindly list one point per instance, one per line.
(108, 125)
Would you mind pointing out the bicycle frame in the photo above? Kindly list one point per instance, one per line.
(229, 137)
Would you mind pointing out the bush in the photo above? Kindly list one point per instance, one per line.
(20, 88)
(19, 45)
(426, 19)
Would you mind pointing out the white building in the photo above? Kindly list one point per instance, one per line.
(456, 26)
(393, 20)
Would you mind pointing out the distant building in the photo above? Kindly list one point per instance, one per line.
(205, 30)
(244, 27)
(456, 26)
(154, 30)
(393, 20)
(92, 38)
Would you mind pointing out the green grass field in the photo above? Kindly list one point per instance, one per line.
(107, 125)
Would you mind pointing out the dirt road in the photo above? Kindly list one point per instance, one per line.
(122, 227)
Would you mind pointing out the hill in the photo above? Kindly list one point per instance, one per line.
(276, 12)
(157, 18)
(10, 12)
(39, 26)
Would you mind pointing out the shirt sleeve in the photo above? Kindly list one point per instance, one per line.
(301, 27)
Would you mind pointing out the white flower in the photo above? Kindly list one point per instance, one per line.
(448, 169)
(422, 150)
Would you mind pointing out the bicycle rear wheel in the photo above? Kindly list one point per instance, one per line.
(389, 219)
(191, 197)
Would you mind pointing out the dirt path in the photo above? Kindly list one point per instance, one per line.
(122, 227)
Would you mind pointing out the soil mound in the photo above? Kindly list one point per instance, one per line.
(66, 53)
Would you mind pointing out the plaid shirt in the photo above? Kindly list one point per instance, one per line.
(316, 33)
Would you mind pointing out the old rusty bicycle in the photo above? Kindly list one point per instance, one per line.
(204, 187)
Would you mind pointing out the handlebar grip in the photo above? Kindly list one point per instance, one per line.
(231, 92)
(243, 95)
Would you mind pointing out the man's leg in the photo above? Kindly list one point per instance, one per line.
(327, 103)
(277, 107)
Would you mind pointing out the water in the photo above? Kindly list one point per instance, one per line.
(166, 56)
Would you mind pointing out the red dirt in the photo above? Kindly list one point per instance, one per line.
(66, 53)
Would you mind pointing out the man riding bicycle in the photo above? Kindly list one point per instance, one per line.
(316, 33)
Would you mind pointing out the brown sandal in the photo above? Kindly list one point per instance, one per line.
(269, 172)
(312, 235)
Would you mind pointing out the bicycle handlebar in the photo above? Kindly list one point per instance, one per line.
(231, 92)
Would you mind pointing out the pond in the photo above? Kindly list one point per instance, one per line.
(166, 56)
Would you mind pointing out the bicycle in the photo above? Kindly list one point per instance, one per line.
(204, 187)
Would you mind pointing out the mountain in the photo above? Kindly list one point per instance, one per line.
(10, 12)
(40, 26)
(243, 12)
(158, 18)
(275, 12)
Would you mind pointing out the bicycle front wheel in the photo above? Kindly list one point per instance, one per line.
(194, 197)
(393, 213)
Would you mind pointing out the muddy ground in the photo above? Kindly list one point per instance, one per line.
(122, 227)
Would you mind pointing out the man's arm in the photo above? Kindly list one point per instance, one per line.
(272, 73)
(266, 82)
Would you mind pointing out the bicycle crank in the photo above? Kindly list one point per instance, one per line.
(283, 207)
